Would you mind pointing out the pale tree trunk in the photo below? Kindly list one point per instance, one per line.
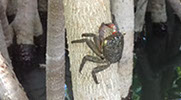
(124, 16)
(7, 29)
(6, 33)
(10, 87)
(3, 46)
(85, 16)
(27, 22)
(4, 3)
(55, 57)
(139, 21)
(141, 6)
(11, 8)
(26, 25)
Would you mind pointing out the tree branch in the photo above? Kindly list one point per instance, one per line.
(10, 87)
(140, 15)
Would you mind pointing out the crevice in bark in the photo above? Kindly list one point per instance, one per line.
(24, 59)
(41, 40)
(68, 78)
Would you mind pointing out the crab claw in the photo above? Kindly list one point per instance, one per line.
(80, 71)
(81, 67)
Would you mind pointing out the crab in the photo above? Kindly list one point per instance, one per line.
(108, 49)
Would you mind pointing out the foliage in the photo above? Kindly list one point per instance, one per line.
(136, 88)
(174, 93)
(136, 85)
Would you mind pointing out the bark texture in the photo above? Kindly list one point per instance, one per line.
(11, 7)
(3, 46)
(27, 22)
(7, 29)
(158, 11)
(124, 16)
(55, 56)
(10, 87)
(85, 16)
(176, 5)
(141, 6)
(42, 5)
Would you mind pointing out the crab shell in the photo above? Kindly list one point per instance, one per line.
(113, 47)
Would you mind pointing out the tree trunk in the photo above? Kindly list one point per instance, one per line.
(158, 11)
(3, 46)
(140, 15)
(26, 25)
(27, 22)
(7, 29)
(176, 5)
(85, 16)
(10, 87)
(124, 16)
(55, 70)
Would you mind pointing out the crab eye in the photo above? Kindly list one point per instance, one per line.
(111, 25)
(105, 42)
(114, 27)
(114, 31)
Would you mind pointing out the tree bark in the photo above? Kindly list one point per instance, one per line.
(158, 11)
(140, 15)
(7, 29)
(176, 5)
(10, 87)
(124, 16)
(55, 57)
(42, 5)
(12, 7)
(27, 22)
(3, 46)
(85, 16)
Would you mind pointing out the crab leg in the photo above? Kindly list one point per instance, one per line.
(91, 45)
(96, 39)
(98, 69)
(90, 58)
